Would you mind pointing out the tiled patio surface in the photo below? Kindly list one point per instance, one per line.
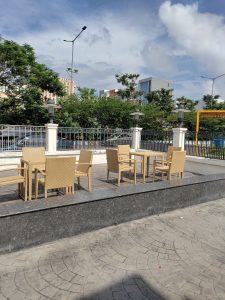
(99, 181)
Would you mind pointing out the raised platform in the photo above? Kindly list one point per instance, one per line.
(24, 224)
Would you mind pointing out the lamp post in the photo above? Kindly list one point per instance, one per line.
(136, 115)
(71, 70)
(51, 106)
(180, 114)
(213, 80)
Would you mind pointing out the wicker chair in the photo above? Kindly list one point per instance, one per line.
(32, 158)
(116, 165)
(168, 156)
(176, 165)
(34, 155)
(84, 167)
(59, 173)
(20, 178)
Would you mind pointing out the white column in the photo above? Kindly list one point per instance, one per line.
(179, 137)
(51, 137)
(136, 137)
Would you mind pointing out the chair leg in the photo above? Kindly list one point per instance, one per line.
(36, 185)
(153, 179)
(78, 180)
(89, 182)
(25, 190)
(107, 174)
(119, 178)
(135, 173)
(168, 176)
(36, 188)
(46, 193)
(181, 175)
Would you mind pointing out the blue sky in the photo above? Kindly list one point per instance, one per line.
(174, 40)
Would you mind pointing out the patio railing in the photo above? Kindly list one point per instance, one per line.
(158, 141)
(92, 138)
(14, 137)
(210, 144)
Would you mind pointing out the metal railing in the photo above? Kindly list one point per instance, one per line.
(92, 138)
(210, 144)
(158, 141)
(14, 137)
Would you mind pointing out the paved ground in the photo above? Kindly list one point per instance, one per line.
(176, 255)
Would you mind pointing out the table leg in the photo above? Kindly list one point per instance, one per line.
(144, 168)
(148, 161)
(29, 183)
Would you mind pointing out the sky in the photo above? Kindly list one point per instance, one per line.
(178, 41)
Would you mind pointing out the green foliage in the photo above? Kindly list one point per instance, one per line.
(129, 81)
(24, 81)
(114, 113)
(153, 117)
(187, 103)
(210, 102)
(163, 99)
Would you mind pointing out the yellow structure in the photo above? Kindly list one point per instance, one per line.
(207, 114)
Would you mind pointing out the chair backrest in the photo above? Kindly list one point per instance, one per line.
(124, 151)
(177, 161)
(59, 172)
(33, 154)
(85, 160)
(112, 160)
(170, 151)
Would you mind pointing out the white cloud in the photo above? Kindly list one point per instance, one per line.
(201, 35)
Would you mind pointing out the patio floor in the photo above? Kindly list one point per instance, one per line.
(99, 181)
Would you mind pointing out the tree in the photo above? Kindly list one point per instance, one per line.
(24, 81)
(114, 113)
(187, 103)
(210, 101)
(130, 82)
(161, 98)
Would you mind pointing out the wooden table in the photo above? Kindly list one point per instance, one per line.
(146, 155)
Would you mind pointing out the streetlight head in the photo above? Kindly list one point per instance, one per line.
(85, 27)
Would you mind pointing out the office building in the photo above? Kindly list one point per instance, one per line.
(151, 84)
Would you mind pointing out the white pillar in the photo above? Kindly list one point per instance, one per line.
(136, 137)
(51, 137)
(179, 137)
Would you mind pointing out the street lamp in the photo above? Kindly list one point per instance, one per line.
(51, 106)
(136, 115)
(180, 110)
(213, 80)
(71, 70)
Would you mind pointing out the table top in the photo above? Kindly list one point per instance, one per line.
(147, 153)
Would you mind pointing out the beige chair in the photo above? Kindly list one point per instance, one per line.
(33, 155)
(20, 178)
(124, 152)
(32, 158)
(59, 173)
(116, 165)
(168, 156)
(84, 167)
(176, 165)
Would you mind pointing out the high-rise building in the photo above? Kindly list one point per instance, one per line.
(150, 84)
(67, 87)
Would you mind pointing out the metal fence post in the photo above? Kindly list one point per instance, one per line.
(179, 137)
(136, 137)
(51, 137)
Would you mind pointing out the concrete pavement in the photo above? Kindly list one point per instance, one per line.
(176, 255)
